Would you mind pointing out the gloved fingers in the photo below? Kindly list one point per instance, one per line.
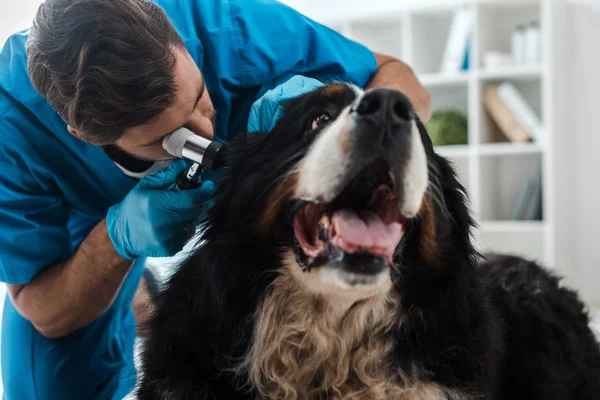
(187, 199)
(165, 177)
(275, 117)
(200, 195)
(266, 111)
(260, 108)
(297, 86)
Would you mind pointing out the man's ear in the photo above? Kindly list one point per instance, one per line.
(77, 133)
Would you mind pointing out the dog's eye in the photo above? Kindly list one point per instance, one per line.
(320, 121)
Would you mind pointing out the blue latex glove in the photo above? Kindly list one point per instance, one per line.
(152, 220)
(266, 111)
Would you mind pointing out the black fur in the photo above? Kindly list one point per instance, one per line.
(500, 330)
(552, 353)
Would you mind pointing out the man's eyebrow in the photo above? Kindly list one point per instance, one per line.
(200, 94)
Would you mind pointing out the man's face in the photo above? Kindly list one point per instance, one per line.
(192, 109)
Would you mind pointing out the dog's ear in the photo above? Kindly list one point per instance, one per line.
(247, 144)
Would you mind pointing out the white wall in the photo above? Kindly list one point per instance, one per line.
(16, 15)
(583, 30)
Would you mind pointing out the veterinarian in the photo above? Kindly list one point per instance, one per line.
(86, 97)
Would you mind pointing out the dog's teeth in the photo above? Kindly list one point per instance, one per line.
(325, 221)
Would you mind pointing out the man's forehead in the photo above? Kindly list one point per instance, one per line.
(188, 81)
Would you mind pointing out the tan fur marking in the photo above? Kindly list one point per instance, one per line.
(282, 193)
(334, 90)
(307, 346)
(428, 240)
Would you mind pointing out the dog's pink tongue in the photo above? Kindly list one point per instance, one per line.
(365, 232)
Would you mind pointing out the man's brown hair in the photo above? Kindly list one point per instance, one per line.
(103, 65)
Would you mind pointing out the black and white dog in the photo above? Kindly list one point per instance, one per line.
(337, 263)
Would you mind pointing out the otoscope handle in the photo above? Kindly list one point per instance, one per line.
(190, 179)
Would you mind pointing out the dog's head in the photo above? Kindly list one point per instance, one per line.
(346, 189)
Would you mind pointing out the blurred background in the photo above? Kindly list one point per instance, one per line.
(514, 86)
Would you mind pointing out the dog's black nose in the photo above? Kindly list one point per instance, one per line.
(384, 106)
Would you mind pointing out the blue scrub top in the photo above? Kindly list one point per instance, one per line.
(55, 188)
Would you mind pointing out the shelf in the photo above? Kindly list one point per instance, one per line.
(512, 226)
(508, 148)
(509, 186)
(515, 73)
(430, 31)
(524, 243)
(497, 23)
(506, 3)
(489, 149)
(512, 73)
(450, 97)
(489, 131)
(453, 151)
(440, 79)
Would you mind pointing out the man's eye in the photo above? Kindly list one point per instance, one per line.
(320, 121)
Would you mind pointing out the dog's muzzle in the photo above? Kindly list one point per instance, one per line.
(363, 177)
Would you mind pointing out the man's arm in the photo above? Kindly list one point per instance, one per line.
(71, 294)
(395, 74)
(150, 221)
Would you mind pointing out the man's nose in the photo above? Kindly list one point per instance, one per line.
(384, 107)
(200, 126)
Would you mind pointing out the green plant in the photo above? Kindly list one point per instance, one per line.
(447, 127)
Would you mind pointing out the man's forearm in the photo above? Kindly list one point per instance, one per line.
(397, 75)
(71, 294)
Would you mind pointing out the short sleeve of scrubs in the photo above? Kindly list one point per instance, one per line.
(33, 216)
(276, 42)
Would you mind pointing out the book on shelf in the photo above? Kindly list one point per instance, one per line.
(510, 111)
(523, 112)
(455, 57)
(503, 117)
(529, 204)
(467, 60)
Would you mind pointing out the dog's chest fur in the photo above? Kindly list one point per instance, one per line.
(307, 346)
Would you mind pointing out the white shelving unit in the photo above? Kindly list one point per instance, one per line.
(494, 172)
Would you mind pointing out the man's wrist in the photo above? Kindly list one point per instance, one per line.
(112, 254)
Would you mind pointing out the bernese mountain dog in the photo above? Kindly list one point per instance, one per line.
(337, 262)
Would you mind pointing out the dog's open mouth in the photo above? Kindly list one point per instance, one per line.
(364, 221)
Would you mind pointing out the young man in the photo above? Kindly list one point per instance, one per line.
(86, 97)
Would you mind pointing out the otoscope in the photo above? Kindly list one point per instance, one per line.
(206, 154)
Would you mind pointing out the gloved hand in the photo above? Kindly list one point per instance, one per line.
(152, 221)
(266, 111)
